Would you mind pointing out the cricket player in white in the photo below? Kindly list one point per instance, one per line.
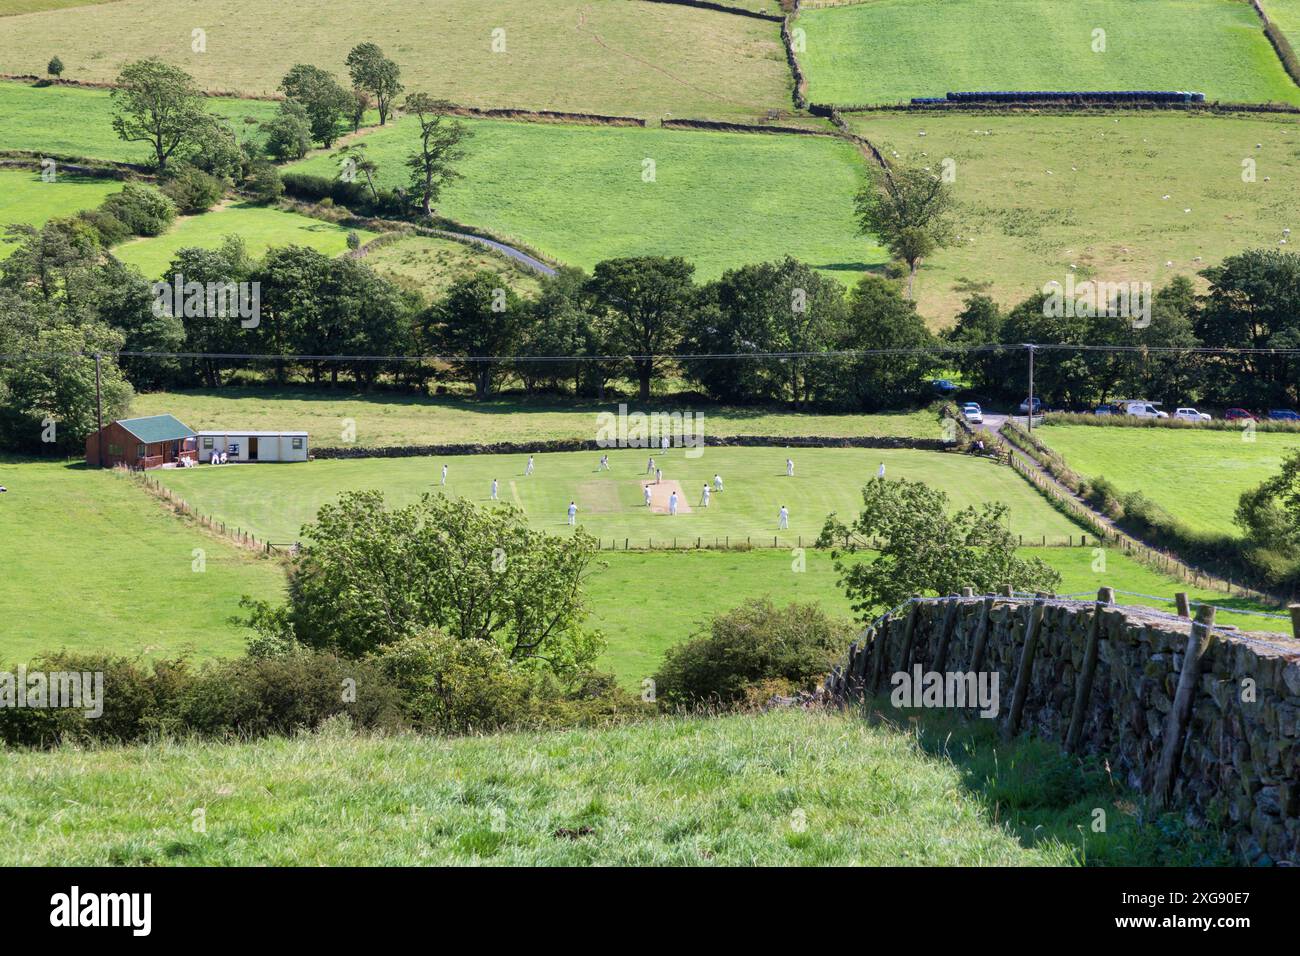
(704, 498)
(672, 503)
(444, 474)
(650, 466)
(717, 482)
(604, 463)
(573, 513)
(789, 467)
(659, 475)
(663, 443)
(494, 489)
(647, 495)
(528, 469)
(881, 472)
(783, 519)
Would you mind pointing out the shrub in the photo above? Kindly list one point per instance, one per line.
(288, 134)
(54, 67)
(111, 230)
(145, 211)
(264, 183)
(749, 645)
(193, 191)
(354, 240)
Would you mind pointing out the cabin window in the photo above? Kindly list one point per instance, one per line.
(297, 443)
(207, 443)
(117, 450)
(142, 450)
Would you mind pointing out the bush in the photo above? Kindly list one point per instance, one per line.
(144, 211)
(264, 183)
(54, 67)
(354, 239)
(193, 191)
(749, 645)
(288, 134)
(110, 229)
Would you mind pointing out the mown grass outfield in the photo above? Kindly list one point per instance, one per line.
(77, 122)
(260, 227)
(601, 56)
(1039, 193)
(76, 532)
(889, 51)
(276, 500)
(429, 265)
(783, 788)
(340, 417)
(25, 198)
(577, 193)
(1196, 475)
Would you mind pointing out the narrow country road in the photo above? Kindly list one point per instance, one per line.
(509, 251)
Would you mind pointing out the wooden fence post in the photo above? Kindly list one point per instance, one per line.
(981, 637)
(1026, 667)
(945, 637)
(1184, 606)
(882, 659)
(1105, 597)
(905, 656)
(1295, 618)
(1171, 752)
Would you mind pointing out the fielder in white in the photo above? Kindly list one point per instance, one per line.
(663, 443)
(573, 513)
(717, 482)
(604, 463)
(647, 496)
(789, 467)
(528, 469)
(494, 489)
(650, 466)
(783, 519)
(704, 498)
(444, 474)
(672, 503)
(880, 473)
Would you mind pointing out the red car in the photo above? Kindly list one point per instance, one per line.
(1238, 415)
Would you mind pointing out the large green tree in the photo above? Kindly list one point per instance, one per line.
(159, 104)
(478, 319)
(375, 74)
(322, 98)
(432, 166)
(909, 210)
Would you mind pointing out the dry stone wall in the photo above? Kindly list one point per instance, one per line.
(1232, 758)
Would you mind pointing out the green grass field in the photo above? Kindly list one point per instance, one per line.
(75, 122)
(91, 562)
(1286, 15)
(602, 56)
(261, 228)
(576, 193)
(429, 265)
(786, 788)
(275, 501)
(25, 198)
(1040, 193)
(399, 418)
(888, 51)
(1196, 475)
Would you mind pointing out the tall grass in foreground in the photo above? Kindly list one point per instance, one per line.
(784, 788)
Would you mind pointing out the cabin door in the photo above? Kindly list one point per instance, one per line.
(252, 448)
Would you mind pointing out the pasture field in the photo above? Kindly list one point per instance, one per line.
(1286, 15)
(25, 198)
(712, 791)
(577, 193)
(77, 122)
(594, 56)
(1038, 194)
(429, 265)
(889, 51)
(275, 501)
(91, 562)
(1196, 475)
(400, 418)
(261, 228)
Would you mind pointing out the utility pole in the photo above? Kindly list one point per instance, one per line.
(1029, 416)
(99, 415)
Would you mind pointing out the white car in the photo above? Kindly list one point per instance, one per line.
(1192, 415)
(973, 413)
(1144, 410)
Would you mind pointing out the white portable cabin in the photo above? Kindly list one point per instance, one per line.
(253, 445)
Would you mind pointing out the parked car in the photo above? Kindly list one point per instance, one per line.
(1238, 415)
(1192, 415)
(1038, 407)
(1108, 410)
(943, 386)
(973, 413)
(1283, 415)
(1144, 410)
